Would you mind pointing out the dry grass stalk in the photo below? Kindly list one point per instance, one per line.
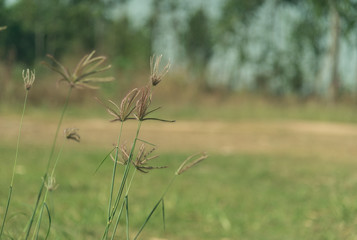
(3, 28)
(82, 76)
(71, 134)
(156, 76)
(29, 78)
(189, 162)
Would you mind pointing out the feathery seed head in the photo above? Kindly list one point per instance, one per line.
(29, 78)
(51, 184)
(143, 103)
(126, 108)
(82, 76)
(143, 157)
(124, 155)
(156, 75)
(71, 134)
(190, 162)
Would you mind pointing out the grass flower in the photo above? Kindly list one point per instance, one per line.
(143, 103)
(124, 155)
(123, 112)
(82, 76)
(29, 78)
(71, 134)
(51, 184)
(142, 158)
(190, 162)
(157, 75)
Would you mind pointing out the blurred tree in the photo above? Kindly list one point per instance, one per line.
(337, 13)
(127, 46)
(198, 45)
(233, 31)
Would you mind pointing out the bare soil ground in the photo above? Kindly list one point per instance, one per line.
(330, 141)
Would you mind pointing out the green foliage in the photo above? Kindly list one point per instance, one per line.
(198, 39)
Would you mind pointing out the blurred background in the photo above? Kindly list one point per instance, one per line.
(279, 48)
(267, 88)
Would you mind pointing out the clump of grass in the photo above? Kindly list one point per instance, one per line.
(186, 165)
(136, 105)
(29, 78)
(83, 76)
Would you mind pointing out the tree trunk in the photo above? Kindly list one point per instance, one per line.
(334, 51)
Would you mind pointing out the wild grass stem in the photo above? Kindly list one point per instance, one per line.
(126, 171)
(44, 178)
(114, 171)
(161, 200)
(14, 167)
(123, 182)
(48, 188)
(57, 130)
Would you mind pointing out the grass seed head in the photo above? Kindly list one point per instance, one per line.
(156, 75)
(143, 103)
(143, 157)
(3, 28)
(83, 74)
(190, 162)
(51, 184)
(29, 78)
(71, 134)
(124, 155)
(123, 112)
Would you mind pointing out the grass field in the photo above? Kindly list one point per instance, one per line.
(280, 178)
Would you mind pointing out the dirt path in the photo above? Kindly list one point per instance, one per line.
(317, 139)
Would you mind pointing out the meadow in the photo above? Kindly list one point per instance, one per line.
(285, 174)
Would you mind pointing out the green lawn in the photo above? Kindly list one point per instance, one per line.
(275, 190)
(241, 196)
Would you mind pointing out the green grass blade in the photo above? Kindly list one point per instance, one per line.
(114, 174)
(38, 225)
(105, 158)
(49, 221)
(126, 172)
(35, 210)
(14, 167)
(163, 213)
(117, 222)
(6, 211)
(127, 216)
(148, 218)
(149, 143)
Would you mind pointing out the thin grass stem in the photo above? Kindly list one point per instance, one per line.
(48, 163)
(126, 171)
(117, 222)
(57, 130)
(127, 216)
(38, 225)
(155, 207)
(14, 168)
(29, 225)
(114, 171)
(123, 182)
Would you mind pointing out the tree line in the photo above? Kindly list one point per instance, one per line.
(275, 46)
